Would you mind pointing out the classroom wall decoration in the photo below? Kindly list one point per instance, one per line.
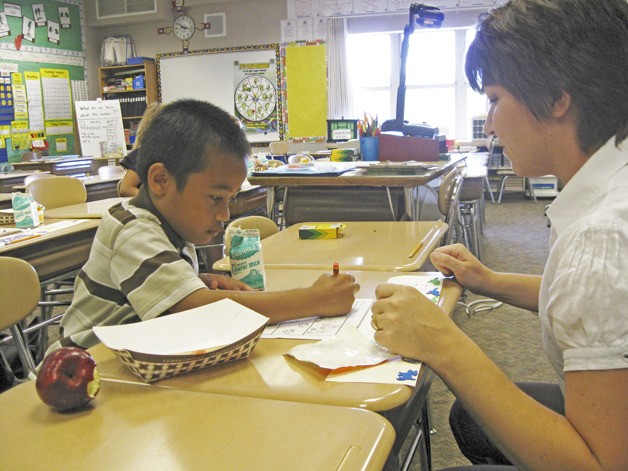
(255, 96)
(241, 80)
(305, 77)
(41, 66)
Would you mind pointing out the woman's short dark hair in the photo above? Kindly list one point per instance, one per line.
(536, 49)
(185, 134)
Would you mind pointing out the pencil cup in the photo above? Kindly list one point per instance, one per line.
(369, 148)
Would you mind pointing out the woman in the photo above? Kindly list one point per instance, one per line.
(554, 72)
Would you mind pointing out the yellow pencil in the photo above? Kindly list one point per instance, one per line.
(416, 249)
(420, 244)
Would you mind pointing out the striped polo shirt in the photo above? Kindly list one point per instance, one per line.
(137, 269)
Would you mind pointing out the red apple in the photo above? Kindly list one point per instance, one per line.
(68, 378)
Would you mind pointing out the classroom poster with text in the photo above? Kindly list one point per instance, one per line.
(255, 96)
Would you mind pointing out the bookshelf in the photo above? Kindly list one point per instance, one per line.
(134, 85)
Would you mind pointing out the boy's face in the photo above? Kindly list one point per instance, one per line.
(198, 211)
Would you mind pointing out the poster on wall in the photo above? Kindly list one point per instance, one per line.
(255, 96)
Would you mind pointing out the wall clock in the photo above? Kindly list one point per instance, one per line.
(183, 25)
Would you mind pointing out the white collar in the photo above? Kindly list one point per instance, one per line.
(587, 185)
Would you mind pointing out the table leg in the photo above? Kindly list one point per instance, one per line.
(270, 202)
(408, 193)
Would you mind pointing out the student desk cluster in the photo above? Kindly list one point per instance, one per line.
(266, 412)
(349, 187)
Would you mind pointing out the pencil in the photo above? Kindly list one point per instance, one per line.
(416, 249)
(336, 268)
(420, 244)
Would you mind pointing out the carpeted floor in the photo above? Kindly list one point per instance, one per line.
(516, 239)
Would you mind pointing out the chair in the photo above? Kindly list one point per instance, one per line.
(504, 175)
(266, 226)
(37, 176)
(54, 193)
(278, 148)
(111, 171)
(19, 292)
(448, 203)
(58, 191)
(472, 206)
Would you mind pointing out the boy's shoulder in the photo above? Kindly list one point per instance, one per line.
(124, 216)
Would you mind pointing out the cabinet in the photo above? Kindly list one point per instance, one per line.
(134, 85)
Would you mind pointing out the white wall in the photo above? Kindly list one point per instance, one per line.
(249, 22)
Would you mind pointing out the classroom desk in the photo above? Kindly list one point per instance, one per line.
(358, 178)
(268, 374)
(100, 188)
(135, 427)
(58, 252)
(248, 201)
(10, 179)
(6, 200)
(73, 166)
(89, 210)
(97, 188)
(373, 245)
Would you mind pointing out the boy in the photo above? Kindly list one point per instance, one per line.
(143, 264)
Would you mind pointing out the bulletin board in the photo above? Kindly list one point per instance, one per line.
(244, 81)
(41, 71)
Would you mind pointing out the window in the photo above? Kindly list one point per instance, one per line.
(436, 89)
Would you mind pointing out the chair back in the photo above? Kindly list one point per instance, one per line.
(278, 148)
(111, 171)
(37, 176)
(449, 200)
(31, 156)
(20, 293)
(58, 191)
(265, 225)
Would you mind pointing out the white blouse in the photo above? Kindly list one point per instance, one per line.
(583, 302)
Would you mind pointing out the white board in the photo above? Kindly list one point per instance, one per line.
(213, 76)
(100, 127)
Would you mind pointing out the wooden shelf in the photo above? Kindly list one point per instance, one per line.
(133, 102)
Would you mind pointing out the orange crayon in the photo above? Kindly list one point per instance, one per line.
(336, 268)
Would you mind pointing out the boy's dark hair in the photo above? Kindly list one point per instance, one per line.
(185, 134)
(536, 49)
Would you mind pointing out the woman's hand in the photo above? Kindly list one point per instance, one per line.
(223, 282)
(458, 261)
(410, 324)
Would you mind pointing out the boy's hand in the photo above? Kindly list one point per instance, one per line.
(334, 294)
(223, 282)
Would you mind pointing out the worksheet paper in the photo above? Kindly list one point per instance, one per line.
(395, 370)
(320, 328)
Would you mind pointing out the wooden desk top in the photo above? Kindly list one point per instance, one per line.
(359, 177)
(135, 427)
(57, 252)
(88, 210)
(374, 245)
(268, 374)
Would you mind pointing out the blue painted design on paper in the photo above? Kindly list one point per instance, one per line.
(409, 375)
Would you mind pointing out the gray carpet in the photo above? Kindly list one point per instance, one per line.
(516, 239)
